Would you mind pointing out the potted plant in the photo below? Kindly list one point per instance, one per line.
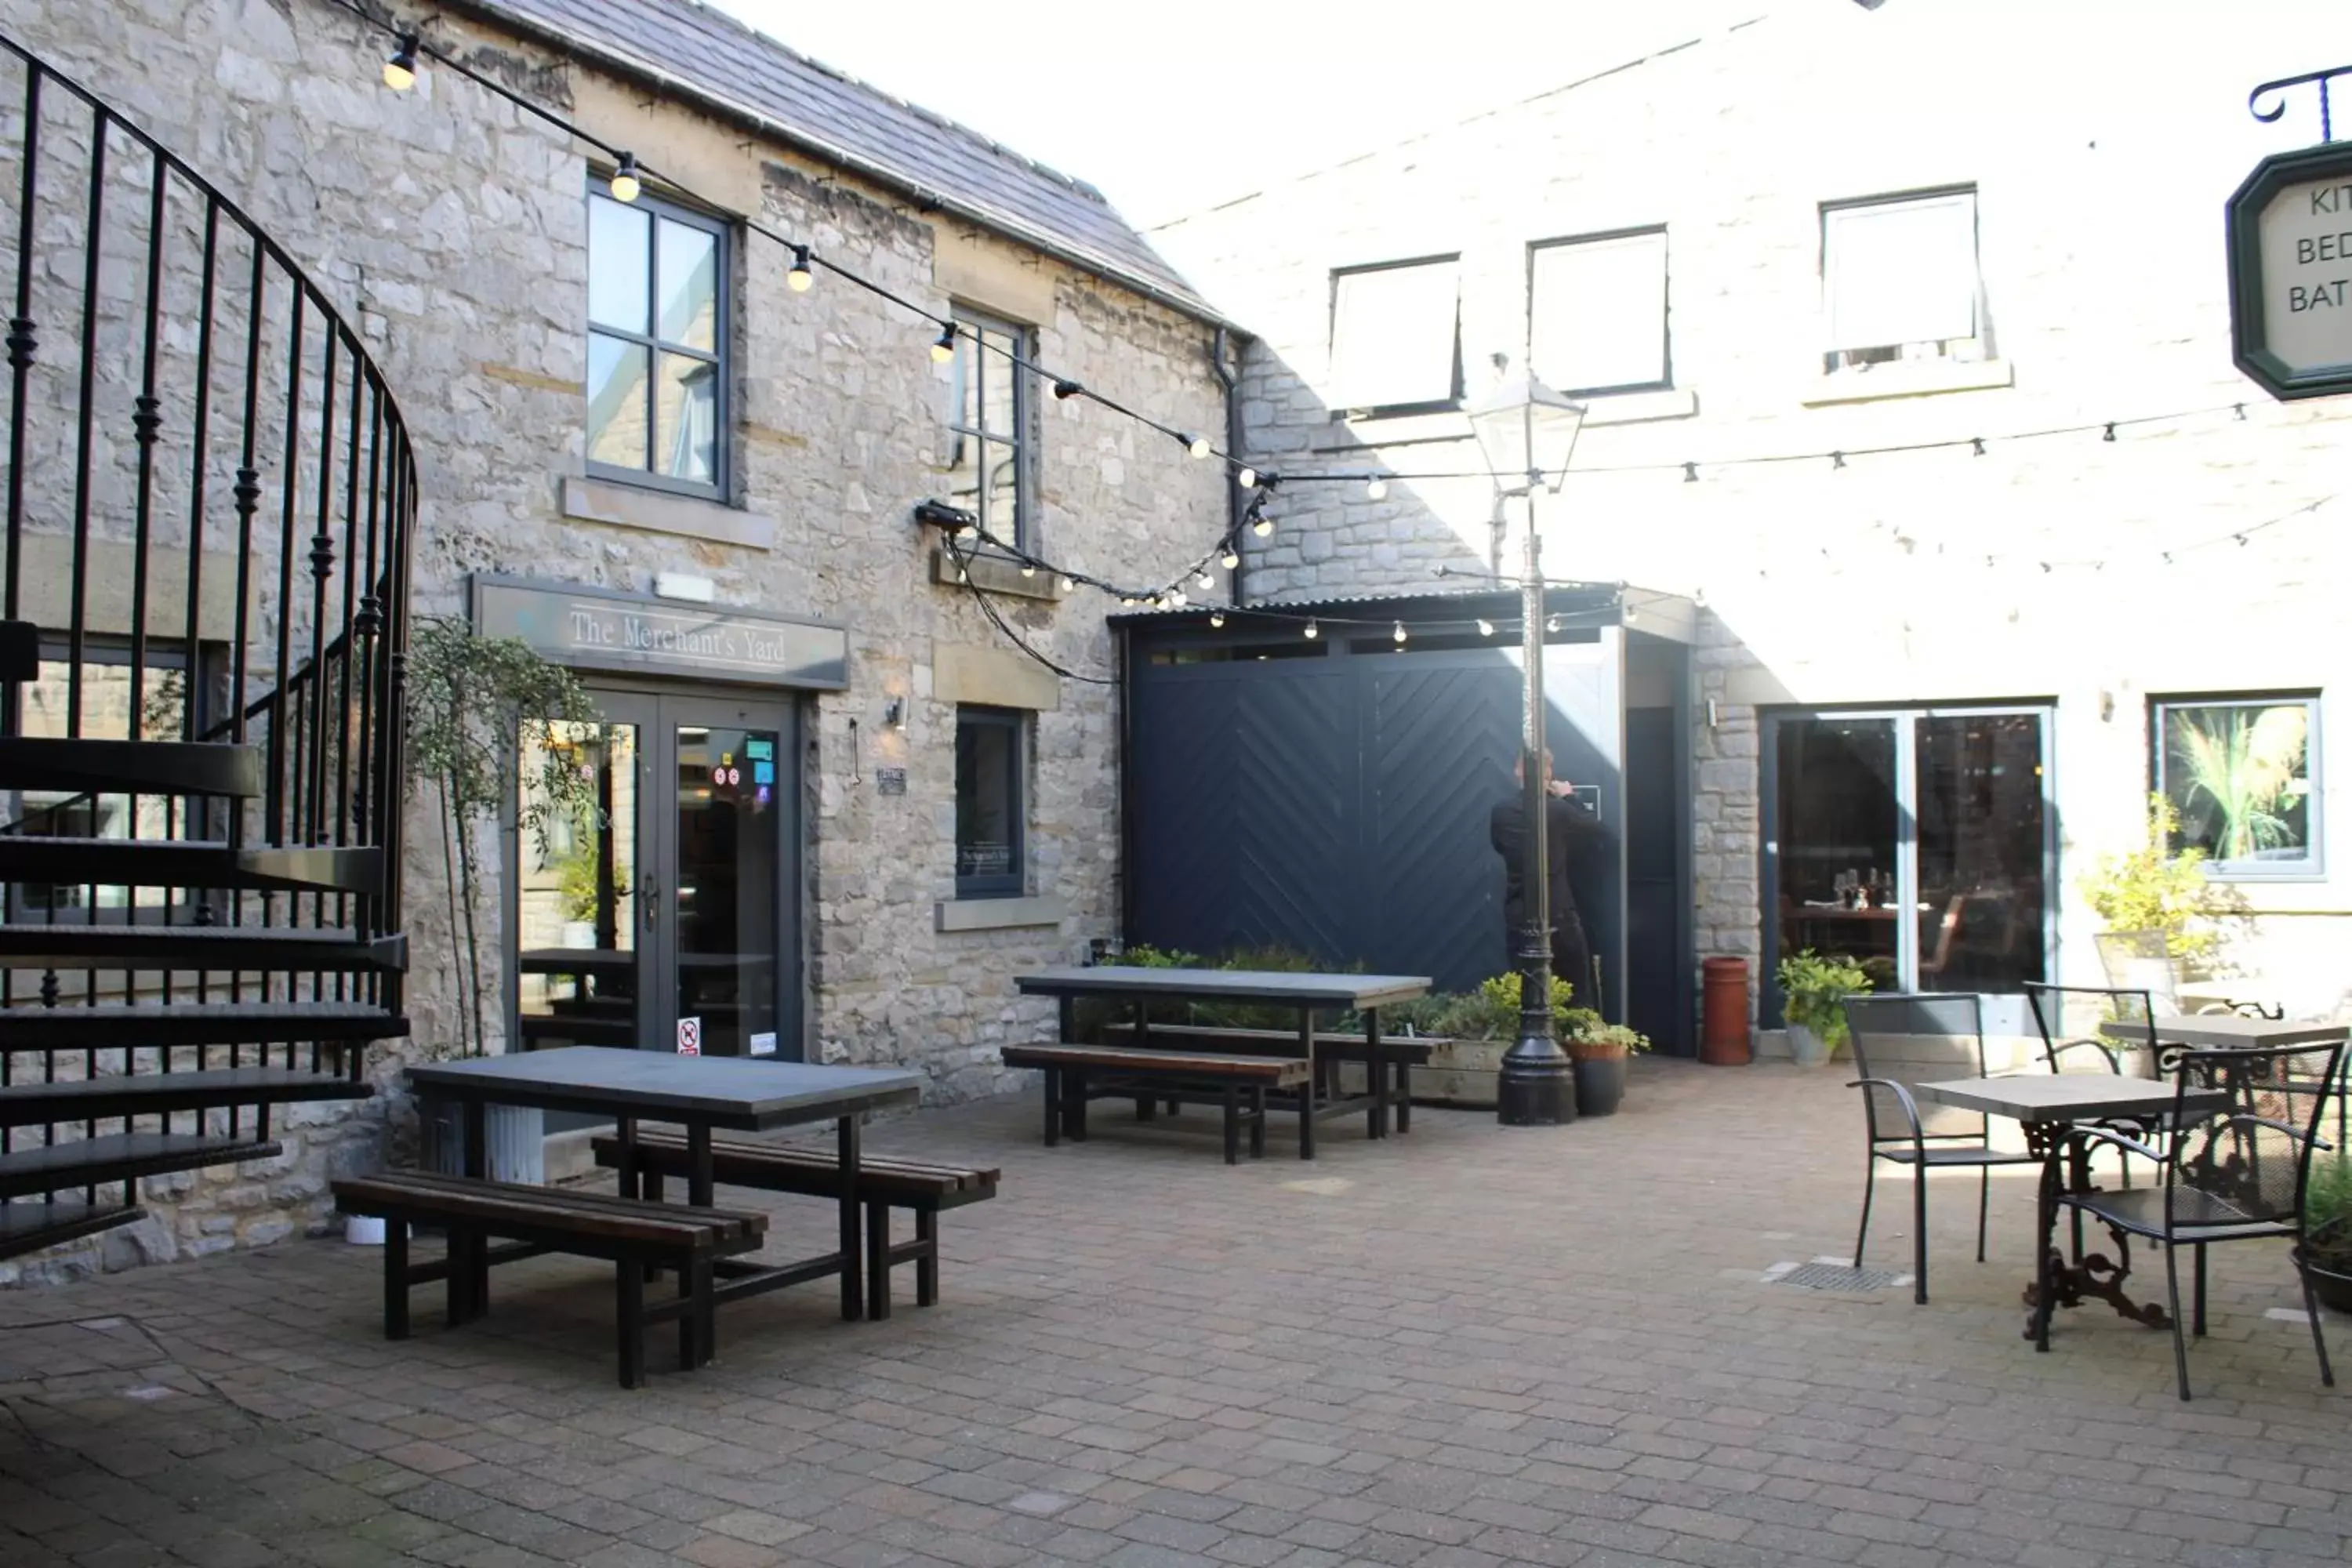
(1599, 1050)
(472, 702)
(2326, 1255)
(2158, 891)
(1811, 989)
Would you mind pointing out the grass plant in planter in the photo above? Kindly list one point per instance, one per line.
(2326, 1255)
(1811, 989)
(1598, 1051)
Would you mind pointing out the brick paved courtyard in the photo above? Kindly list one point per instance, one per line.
(1468, 1347)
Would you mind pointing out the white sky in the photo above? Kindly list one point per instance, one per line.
(1170, 108)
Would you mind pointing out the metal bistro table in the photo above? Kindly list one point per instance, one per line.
(2050, 1107)
(1310, 993)
(698, 1093)
(2219, 1031)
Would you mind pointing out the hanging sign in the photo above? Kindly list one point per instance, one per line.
(690, 1037)
(2290, 242)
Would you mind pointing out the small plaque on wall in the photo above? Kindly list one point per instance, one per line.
(891, 781)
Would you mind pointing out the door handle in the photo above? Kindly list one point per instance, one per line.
(648, 899)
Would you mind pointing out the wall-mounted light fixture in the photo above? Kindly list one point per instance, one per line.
(1714, 715)
(2106, 707)
(893, 713)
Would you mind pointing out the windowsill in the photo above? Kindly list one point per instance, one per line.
(1000, 914)
(1909, 378)
(1640, 407)
(995, 574)
(620, 505)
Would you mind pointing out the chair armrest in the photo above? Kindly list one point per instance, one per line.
(2108, 1135)
(2257, 1010)
(2297, 1133)
(1902, 1096)
(2114, 1064)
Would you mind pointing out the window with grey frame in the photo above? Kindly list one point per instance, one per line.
(1900, 280)
(991, 802)
(991, 465)
(1396, 338)
(1597, 320)
(657, 345)
(2238, 769)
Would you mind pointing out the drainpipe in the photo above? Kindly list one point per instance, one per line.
(1235, 501)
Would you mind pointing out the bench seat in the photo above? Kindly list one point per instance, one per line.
(885, 1183)
(1076, 1074)
(633, 1235)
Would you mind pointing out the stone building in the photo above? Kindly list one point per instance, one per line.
(1769, 260)
(845, 804)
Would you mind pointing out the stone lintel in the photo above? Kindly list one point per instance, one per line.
(1001, 914)
(994, 677)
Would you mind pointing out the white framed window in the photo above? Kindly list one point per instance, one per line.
(1396, 340)
(1900, 280)
(1597, 314)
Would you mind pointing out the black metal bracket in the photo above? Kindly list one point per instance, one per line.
(2271, 115)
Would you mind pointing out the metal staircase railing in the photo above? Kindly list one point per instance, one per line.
(210, 501)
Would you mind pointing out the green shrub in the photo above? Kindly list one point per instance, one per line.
(1811, 989)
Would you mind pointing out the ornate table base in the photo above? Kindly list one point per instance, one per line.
(2092, 1276)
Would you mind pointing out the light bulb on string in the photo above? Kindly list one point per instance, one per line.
(1197, 446)
(1632, 613)
(1551, 622)
(1246, 479)
(1216, 617)
(1231, 558)
(1377, 489)
(1399, 633)
(799, 278)
(943, 348)
(1176, 600)
(1028, 569)
(1263, 526)
(1313, 631)
(1069, 585)
(627, 186)
(1485, 627)
(400, 70)
(1204, 579)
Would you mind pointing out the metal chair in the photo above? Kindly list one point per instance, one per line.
(2229, 1176)
(2142, 961)
(1962, 1139)
(2136, 1008)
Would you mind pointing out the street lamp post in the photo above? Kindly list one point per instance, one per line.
(1527, 433)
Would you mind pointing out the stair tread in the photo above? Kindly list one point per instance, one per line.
(193, 947)
(232, 1012)
(189, 863)
(220, 1086)
(121, 767)
(117, 1156)
(28, 1227)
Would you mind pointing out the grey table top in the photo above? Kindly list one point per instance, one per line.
(2223, 1031)
(2065, 1097)
(723, 1091)
(1273, 987)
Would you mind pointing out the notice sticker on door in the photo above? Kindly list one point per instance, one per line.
(690, 1037)
(764, 1044)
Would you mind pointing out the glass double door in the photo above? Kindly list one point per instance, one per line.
(1918, 844)
(663, 916)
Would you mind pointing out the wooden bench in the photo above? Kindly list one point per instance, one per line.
(884, 1182)
(1405, 1053)
(1076, 1074)
(535, 1220)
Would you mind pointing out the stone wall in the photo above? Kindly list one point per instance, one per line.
(453, 227)
(2071, 568)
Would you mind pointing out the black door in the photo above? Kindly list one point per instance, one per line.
(669, 922)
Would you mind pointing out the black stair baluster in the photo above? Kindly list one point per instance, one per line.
(289, 489)
(146, 421)
(194, 716)
(23, 345)
(77, 622)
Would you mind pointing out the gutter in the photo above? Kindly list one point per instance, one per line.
(591, 51)
(1234, 502)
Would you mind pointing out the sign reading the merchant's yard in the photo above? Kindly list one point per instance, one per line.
(595, 628)
(2290, 228)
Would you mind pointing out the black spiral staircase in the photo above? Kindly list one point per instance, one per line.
(209, 502)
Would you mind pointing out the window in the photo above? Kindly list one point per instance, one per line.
(656, 344)
(1396, 346)
(2239, 772)
(1899, 279)
(1597, 314)
(990, 465)
(992, 806)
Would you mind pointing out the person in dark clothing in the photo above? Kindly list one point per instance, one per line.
(1567, 825)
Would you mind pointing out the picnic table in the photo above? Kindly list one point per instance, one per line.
(1313, 1098)
(700, 1094)
(2050, 1108)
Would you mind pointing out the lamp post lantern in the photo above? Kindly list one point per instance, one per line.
(1527, 434)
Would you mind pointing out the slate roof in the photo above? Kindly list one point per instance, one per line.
(693, 50)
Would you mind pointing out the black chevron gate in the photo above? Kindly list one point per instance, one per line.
(1338, 802)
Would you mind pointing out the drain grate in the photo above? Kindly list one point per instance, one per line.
(1838, 1277)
